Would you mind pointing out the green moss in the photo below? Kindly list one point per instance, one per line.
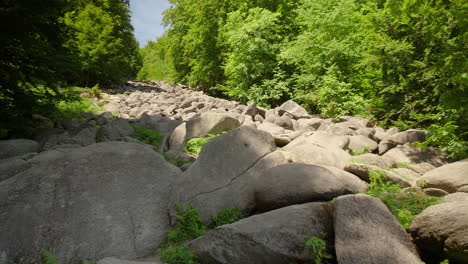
(404, 165)
(195, 145)
(74, 110)
(364, 150)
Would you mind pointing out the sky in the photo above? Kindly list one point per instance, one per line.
(147, 19)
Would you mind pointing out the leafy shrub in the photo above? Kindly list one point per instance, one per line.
(177, 254)
(316, 249)
(74, 110)
(405, 205)
(195, 145)
(95, 91)
(188, 225)
(48, 258)
(147, 135)
(226, 216)
(446, 138)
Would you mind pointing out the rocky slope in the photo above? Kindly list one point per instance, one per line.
(86, 189)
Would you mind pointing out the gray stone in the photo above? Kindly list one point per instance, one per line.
(294, 109)
(275, 237)
(112, 260)
(312, 153)
(114, 130)
(12, 166)
(207, 123)
(271, 128)
(250, 110)
(295, 183)
(284, 121)
(456, 197)
(373, 159)
(106, 199)
(363, 171)
(111, 107)
(219, 178)
(441, 231)
(435, 192)
(449, 177)
(351, 182)
(366, 232)
(17, 147)
(357, 121)
(360, 143)
(409, 154)
(321, 138)
(159, 123)
(464, 188)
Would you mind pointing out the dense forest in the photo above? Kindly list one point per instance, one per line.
(399, 62)
(49, 46)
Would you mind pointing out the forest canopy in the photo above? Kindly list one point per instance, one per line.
(48, 46)
(399, 62)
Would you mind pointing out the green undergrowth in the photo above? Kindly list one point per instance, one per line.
(147, 135)
(48, 258)
(195, 145)
(404, 165)
(364, 150)
(190, 226)
(226, 216)
(316, 249)
(405, 204)
(74, 110)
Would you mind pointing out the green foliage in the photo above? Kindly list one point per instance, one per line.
(364, 150)
(177, 162)
(74, 109)
(188, 225)
(226, 216)
(405, 205)
(403, 164)
(195, 145)
(177, 255)
(48, 258)
(102, 40)
(446, 138)
(147, 135)
(316, 249)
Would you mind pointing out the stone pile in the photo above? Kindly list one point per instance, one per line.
(86, 189)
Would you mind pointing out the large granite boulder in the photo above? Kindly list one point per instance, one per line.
(366, 232)
(106, 199)
(295, 183)
(409, 154)
(17, 147)
(449, 177)
(312, 153)
(320, 138)
(294, 109)
(219, 178)
(275, 237)
(441, 231)
(207, 123)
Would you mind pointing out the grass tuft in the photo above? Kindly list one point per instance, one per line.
(226, 216)
(147, 135)
(195, 145)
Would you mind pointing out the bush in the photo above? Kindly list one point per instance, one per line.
(188, 225)
(316, 249)
(177, 254)
(405, 205)
(195, 145)
(226, 216)
(147, 135)
(48, 258)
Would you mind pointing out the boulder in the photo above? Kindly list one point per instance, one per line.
(357, 121)
(251, 110)
(106, 199)
(409, 154)
(112, 260)
(351, 182)
(309, 124)
(159, 123)
(219, 178)
(207, 123)
(360, 143)
(275, 237)
(455, 197)
(363, 171)
(373, 159)
(435, 192)
(312, 153)
(271, 128)
(366, 232)
(17, 147)
(111, 107)
(294, 109)
(12, 166)
(321, 138)
(114, 130)
(464, 188)
(401, 138)
(441, 231)
(284, 121)
(449, 177)
(295, 183)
